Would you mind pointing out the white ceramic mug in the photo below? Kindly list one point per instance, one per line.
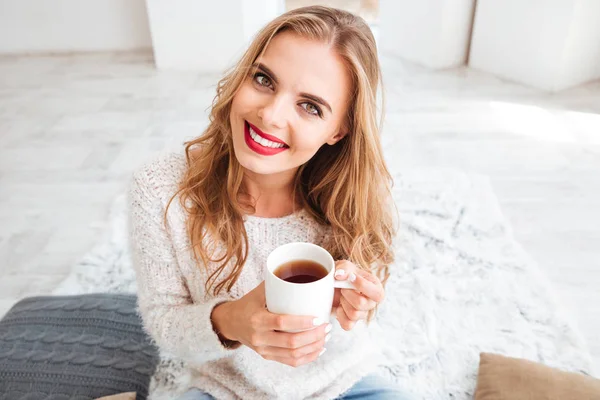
(310, 299)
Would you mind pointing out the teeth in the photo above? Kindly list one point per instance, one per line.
(262, 141)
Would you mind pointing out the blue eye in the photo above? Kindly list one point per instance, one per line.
(312, 109)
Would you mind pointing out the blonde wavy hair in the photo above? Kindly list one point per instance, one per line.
(346, 186)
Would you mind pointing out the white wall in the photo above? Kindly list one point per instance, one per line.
(32, 26)
(581, 58)
(548, 44)
(192, 34)
(258, 13)
(205, 36)
(434, 33)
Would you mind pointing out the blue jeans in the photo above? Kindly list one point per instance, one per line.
(372, 387)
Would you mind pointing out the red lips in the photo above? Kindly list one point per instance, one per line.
(258, 148)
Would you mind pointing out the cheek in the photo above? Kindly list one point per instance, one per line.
(309, 145)
(242, 101)
(311, 137)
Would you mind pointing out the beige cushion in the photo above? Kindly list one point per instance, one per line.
(505, 378)
(120, 396)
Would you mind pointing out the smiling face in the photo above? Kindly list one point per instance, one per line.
(293, 103)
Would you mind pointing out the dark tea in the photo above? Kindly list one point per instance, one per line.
(301, 271)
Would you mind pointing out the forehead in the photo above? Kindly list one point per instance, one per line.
(310, 66)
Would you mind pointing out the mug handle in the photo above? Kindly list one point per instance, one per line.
(343, 285)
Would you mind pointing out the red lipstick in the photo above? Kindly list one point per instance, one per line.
(259, 148)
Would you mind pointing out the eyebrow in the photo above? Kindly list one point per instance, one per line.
(309, 96)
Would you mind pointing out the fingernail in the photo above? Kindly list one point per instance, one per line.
(327, 337)
(328, 328)
(339, 272)
(318, 321)
(322, 351)
(352, 277)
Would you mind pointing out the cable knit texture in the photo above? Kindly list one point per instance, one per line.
(74, 347)
(176, 309)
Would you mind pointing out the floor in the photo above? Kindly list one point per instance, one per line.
(73, 128)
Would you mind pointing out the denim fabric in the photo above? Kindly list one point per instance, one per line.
(372, 387)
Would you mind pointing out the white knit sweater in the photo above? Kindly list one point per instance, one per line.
(176, 309)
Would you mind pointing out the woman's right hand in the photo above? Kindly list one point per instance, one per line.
(248, 321)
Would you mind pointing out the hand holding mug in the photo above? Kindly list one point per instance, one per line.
(248, 322)
(353, 305)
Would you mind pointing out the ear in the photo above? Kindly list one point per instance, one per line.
(343, 131)
(337, 137)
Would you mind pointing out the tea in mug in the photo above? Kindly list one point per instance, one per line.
(301, 271)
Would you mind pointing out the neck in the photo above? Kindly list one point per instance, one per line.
(273, 195)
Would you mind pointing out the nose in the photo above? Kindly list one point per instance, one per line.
(273, 112)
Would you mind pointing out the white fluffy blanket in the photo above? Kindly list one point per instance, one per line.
(461, 285)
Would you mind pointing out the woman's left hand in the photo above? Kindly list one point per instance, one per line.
(354, 305)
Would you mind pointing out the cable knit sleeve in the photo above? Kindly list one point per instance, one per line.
(177, 324)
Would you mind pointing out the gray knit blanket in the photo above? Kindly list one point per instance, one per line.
(74, 347)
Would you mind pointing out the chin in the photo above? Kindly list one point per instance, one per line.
(253, 162)
(257, 166)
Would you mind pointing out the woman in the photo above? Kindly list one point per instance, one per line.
(292, 153)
